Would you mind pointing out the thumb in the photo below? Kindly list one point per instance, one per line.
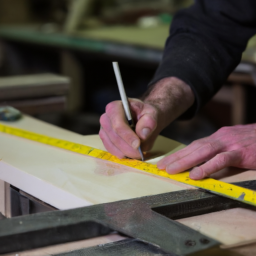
(146, 124)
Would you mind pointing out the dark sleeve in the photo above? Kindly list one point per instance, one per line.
(205, 45)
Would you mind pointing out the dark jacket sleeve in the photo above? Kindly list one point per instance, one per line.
(205, 45)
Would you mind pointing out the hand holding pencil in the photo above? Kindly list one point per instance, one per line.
(125, 100)
(116, 133)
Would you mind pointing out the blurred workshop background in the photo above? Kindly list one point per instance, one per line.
(55, 62)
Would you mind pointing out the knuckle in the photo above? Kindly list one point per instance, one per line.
(234, 146)
(150, 121)
(209, 147)
(224, 129)
(221, 160)
(154, 114)
(136, 104)
(101, 134)
(154, 111)
(193, 143)
(116, 141)
(117, 128)
(103, 119)
(110, 106)
(203, 171)
(199, 142)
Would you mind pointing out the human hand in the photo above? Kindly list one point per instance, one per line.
(230, 146)
(118, 138)
(163, 103)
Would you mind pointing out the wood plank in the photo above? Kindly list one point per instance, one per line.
(31, 86)
(230, 226)
(49, 173)
(38, 106)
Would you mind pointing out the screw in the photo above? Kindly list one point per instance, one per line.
(190, 243)
(204, 241)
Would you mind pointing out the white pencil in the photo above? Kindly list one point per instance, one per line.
(124, 99)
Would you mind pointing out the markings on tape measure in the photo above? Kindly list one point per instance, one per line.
(217, 187)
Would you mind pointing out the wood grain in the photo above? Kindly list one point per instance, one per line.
(47, 172)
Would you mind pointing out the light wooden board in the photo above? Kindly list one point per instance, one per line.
(67, 180)
(229, 226)
(68, 247)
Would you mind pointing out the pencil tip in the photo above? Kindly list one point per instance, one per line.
(141, 154)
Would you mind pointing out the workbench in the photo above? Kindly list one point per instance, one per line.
(66, 180)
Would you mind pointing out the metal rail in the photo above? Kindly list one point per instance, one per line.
(149, 220)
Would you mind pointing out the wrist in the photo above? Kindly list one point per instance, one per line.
(171, 97)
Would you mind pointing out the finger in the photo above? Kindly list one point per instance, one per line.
(116, 140)
(146, 116)
(146, 125)
(217, 163)
(195, 157)
(119, 126)
(110, 147)
(181, 153)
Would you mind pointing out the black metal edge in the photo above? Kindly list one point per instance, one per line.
(126, 247)
(132, 217)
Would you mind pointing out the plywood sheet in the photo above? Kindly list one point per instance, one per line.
(66, 179)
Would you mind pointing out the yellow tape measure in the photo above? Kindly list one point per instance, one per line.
(217, 187)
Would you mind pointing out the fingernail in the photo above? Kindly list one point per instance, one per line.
(145, 132)
(172, 167)
(195, 174)
(135, 144)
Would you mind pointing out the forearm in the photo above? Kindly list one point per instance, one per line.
(171, 97)
(205, 45)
